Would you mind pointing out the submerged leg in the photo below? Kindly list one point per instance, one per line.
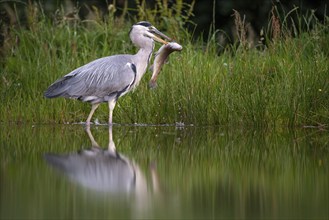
(93, 108)
(111, 107)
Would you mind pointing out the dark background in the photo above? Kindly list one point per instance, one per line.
(208, 14)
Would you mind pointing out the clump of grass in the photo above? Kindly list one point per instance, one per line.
(283, 85)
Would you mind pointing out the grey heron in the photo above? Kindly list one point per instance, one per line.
(108, 78)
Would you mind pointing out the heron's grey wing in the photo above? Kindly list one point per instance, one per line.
(103, 76)
(99, 78)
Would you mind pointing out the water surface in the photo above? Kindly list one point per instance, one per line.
(64, 172)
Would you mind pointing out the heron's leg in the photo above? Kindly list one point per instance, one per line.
(93, 108)
(111, 107)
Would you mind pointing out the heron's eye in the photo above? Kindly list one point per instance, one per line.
(152, 29)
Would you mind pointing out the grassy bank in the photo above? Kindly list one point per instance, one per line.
(285, 84)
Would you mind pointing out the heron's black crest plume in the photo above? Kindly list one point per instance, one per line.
(144, 23)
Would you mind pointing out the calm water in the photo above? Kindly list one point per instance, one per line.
(64, 172)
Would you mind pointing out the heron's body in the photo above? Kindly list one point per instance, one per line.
(94, 82)
(106, 79)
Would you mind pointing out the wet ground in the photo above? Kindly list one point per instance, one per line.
(69, 172)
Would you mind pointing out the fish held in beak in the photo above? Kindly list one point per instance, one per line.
(160, 58)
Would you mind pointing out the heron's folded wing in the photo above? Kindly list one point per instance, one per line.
(102, 77)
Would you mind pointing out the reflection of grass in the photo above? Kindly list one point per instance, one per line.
(225, 171)
(283, 85)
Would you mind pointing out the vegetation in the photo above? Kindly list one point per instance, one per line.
(283, 83)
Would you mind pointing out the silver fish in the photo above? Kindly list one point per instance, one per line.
(160, 58)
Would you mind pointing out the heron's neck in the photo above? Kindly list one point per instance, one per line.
(141, 60)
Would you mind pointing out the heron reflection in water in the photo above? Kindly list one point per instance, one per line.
(103, 170)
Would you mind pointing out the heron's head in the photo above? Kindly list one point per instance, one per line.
(143, 32)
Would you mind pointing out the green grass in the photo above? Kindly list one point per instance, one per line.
(285, 85)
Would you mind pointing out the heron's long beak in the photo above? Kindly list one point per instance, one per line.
(156, 34)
